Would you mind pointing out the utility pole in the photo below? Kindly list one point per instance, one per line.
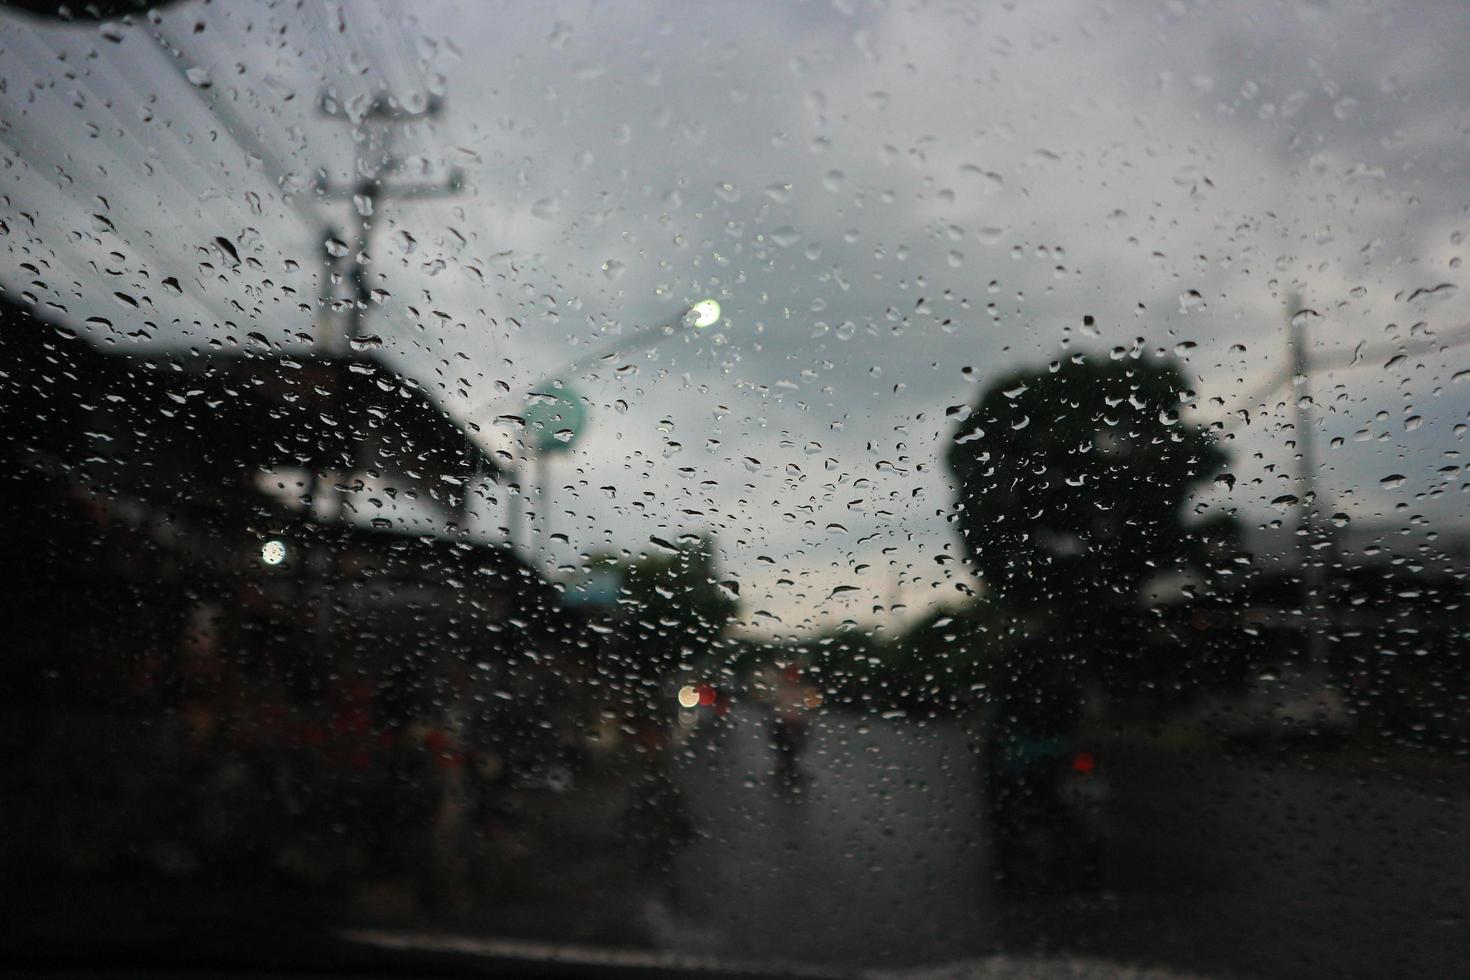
(1312, 539)
(370, 190)
(1310, 566)
(367, 193)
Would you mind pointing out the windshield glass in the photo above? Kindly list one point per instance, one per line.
(846, 484)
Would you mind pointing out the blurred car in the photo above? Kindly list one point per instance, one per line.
(1284, 704)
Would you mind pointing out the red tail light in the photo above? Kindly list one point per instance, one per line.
(1084, 762)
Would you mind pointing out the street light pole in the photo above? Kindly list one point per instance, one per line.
(705, 313)
(543, 506)
(1310, 566)
(701, 315)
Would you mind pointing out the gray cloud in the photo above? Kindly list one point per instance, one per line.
(878, 197)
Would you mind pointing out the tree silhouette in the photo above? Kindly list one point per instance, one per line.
(1073, 481)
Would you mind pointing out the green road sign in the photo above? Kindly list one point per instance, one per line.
(555, 417)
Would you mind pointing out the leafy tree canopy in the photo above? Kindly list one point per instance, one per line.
(1073, 482)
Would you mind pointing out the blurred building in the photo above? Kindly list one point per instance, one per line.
(217, 564)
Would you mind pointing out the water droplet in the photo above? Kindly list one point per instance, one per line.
(785, 236)
(1443, 291)
(989, 179)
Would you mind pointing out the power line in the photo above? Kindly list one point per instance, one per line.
(240, 134)
(1360, 357)
(1369, 357)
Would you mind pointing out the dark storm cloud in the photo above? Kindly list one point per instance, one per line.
(878, 197)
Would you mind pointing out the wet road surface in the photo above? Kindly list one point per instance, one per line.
(1232, 867)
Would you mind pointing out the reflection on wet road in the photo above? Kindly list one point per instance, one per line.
(1220, 866)
(876, 857)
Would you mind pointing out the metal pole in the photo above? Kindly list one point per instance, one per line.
(367, 194)
(1310, 566)
(645, 339)
(543, 483)
(515, 508)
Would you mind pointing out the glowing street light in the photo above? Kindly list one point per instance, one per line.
(706, 313)
(273, 552)
(702, 315)
(555, 416)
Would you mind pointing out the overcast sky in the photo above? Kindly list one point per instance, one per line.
(880, 195)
